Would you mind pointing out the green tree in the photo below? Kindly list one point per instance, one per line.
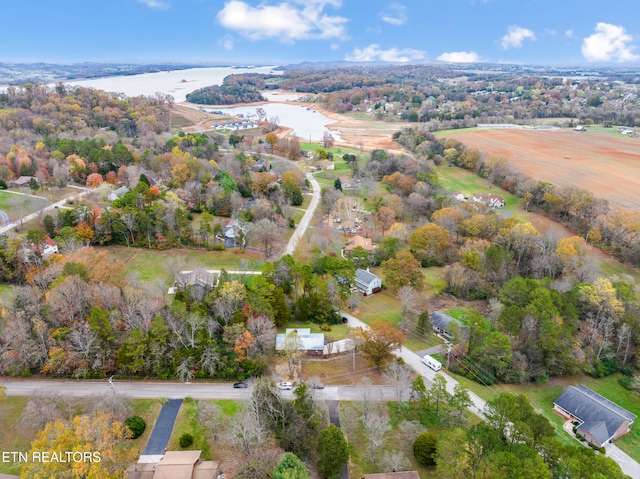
(337, 184)
(332, 452)
(451, 455)
(404, 270)
(33, 184)
(290, 467)
(437, 393)
(425, 447)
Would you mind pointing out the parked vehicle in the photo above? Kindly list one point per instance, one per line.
(240, 385)
(432, 363)
(285, 385)
(317, 386)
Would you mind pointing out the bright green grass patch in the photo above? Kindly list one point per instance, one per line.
(6, 291)
(382, 306)
(610, 267)
(10, 410)
(150, 264)
(147, 409)
(433, 279)
(187, 422)
(468, 183)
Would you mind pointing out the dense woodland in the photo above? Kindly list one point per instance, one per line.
(234, 89)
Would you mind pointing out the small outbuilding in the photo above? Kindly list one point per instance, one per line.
(600, 420)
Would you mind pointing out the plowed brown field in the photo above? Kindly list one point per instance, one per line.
(606, 164)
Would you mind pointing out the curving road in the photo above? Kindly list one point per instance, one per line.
(4, 218)
(42, 211)
(306, 218)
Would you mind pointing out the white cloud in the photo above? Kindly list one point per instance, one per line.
(288, 21)
(155, 4)
(515, 36)
(550, 31)
(373, 52)
(335, 46)
(226, 42)
(460, 57)
(395, 14)
(609, 43)
(568, 34)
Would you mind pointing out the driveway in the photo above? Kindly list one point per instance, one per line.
(159, 439)
(306, 218)
(4, 218)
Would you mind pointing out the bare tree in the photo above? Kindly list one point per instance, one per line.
(246, 431)
(395, 461)
(376, 426)
(69, 300)
(267, 235)
(264, 331)
(211, 417)
(410, 299)
(292, 349)
(399, 377)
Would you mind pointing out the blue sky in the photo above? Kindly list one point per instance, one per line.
(283, 31)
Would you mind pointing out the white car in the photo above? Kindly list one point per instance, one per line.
(285, 385)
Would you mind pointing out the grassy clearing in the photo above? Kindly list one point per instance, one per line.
(147, 409)
(468, 183)
(610, 267)
(433, 279)
(10, 410)
(6, 291)
(151, 264)
(17, 206)
(339, 370)
(187, 422)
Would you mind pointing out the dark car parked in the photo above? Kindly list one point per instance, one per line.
(240, 385)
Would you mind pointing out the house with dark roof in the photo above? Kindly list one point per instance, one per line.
(20, 182)
(367, 282)
(445, 325)
(600, 420)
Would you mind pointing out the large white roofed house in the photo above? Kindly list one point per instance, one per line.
(307, 341)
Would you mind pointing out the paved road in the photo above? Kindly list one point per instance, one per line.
(171, 390)
(415, 361)
(159, 439)
(307, 217)
(42, 211)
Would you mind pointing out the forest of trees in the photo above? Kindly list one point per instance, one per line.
(234, 89)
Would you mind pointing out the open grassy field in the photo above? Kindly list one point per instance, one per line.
(468, 183)
(152, 264)
(604, 163)
(10, 410)
(17, 206)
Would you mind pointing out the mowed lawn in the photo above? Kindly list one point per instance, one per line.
(153, 264)
(17, 206)
(468, 183)
(542, 396)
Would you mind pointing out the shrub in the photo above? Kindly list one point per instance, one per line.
(137, 426)
(424, 448)
(186, 440)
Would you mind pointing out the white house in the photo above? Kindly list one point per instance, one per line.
(307, 341)
(367, 282)
(50, 247)
(491, 200)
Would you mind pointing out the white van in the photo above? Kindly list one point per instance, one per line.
(432, 363)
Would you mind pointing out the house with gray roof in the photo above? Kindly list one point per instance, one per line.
(445, 325)
(600, 420)
(117, 194)
(367, 282)
(307, 341)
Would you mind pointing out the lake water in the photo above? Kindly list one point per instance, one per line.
(307, 124)
(176, 82)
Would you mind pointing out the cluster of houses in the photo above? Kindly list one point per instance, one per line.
(236, 125)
